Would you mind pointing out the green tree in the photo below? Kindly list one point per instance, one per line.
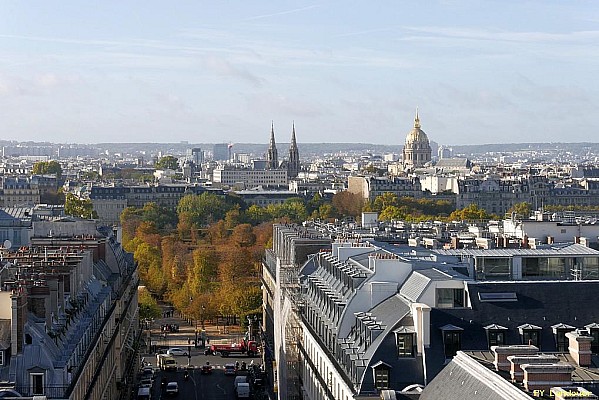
(393, 213)
(293, 210)
(204, 271)
(47, 167)
(203, 209)
(233, 217)
(256, 215)
(168, 162)
(523, 209)
(148, 306)
(385, 200)
(163, 218)
(78, 207)
(324, 212)
(472, 212)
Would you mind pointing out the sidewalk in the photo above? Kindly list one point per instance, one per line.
(186, 334)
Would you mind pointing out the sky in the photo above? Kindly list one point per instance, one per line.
(506, 71)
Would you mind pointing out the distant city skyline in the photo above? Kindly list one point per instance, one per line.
(343, 71)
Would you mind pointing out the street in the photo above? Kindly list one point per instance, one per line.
(198, 386)
(214, 386)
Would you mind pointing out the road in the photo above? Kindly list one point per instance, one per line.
(214, 386)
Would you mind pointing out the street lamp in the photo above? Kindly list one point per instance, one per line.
(249, 328)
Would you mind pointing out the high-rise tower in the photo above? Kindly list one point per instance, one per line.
(272, 159)
(293, 165)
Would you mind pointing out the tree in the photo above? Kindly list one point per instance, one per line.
(523, 209)
(204, 270)
(168, 162)
(324, 212)
(385, 200)
(233, 217)
(47, 167)
(257, 215)
(148, 306)
(79, 207)
(243, 235)
(472, 212)
(294, 209)
(392, 213)
(348, 204)
(203, 209)
(163, 218)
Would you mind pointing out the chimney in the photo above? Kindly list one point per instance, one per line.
(545, 376)
(455, 242)
(579, 346)
(516, 362)
(572, 393)
(19, 315)
(502, 352)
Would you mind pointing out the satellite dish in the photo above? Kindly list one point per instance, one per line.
(7, 244)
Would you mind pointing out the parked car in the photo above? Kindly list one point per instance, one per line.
(147, 372)
(172, 388)
(230, 369)
(176, 351)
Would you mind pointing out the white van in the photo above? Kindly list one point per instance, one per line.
(144, 393)
(240, 379)
(242, 391)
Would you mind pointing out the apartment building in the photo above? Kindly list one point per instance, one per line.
(356, 318)
(70, 315)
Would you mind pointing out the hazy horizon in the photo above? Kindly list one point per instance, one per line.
(205, 72)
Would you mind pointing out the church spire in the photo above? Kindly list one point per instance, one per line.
(293, 165)
(272, 158)
(293, 143)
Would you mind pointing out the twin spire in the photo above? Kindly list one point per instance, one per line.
(272, 160)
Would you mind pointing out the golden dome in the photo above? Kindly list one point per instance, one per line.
(416, 135)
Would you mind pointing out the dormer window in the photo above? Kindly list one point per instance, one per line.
(561, 341)
(530, 334)
(452, 339)
(594, 331)
(495, 335)
(404, 337)
(450, 298)
(382, 372)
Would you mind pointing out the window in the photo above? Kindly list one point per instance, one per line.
(381, 377)
(590, 268)
(452, 339)
(594, 331)
(496, 338)
(449, 298)
(561, 341)
(554, 267)
(36, 381)
(495, 334)
(405, 345)
(493, 268)
(531, 336)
